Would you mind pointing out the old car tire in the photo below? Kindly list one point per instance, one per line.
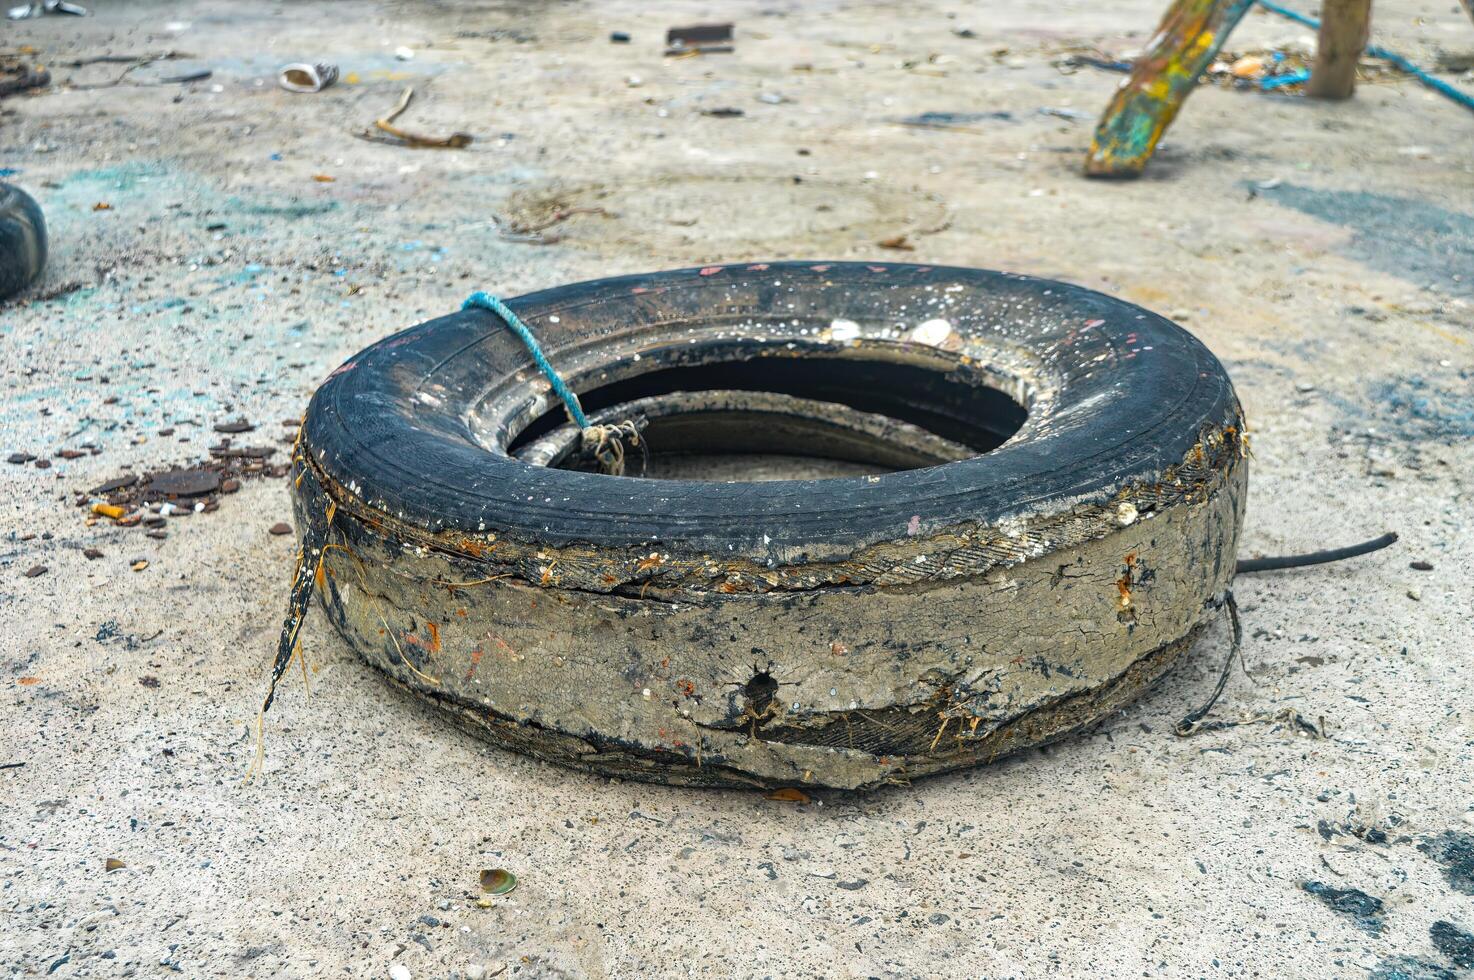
(837, 632)
(22, 240)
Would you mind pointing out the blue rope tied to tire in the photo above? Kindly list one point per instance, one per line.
(1436, 84)
(605, 442)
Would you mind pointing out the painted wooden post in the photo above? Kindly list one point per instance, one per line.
(1343, 35)
(1162, 79)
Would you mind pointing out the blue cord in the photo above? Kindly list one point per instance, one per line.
(486, 301)
(1436, 84)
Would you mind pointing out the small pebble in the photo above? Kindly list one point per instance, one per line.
(1415, 595)
(91, 554)
(139, 565)
(36, 570)
(404, 54)
(1422, 566)
(280, 527)
(617, 37)
(43, 464)
(230, 485)
(399, 972)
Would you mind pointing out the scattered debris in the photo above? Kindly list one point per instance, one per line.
(1247, 566)
(1072, 63)
(723, 112)
(498, 881)
(529, 233)
(1420, 565)
(183, 483)
(787, 794)
(19, 76)
(35, 571)
(1062, 112)
(149, 499)
(134, 63)
(305, 79)
(1192, 722)
(404, 54)
(1297, 77)
(699, 39)
(198, 75)
(139, 565)
(455, 141)
(897, 242)
(961, 121)
(619, 37)
(113, 864)
(40, 8)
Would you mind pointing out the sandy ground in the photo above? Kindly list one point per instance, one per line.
(1322, 251)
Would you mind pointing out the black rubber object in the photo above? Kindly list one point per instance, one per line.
(22, 240)
(841, 632)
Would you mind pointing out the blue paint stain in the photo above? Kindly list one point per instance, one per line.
(1362, 909)
(1422, 410)
(1405, 237)
(1453, 849)
(1454, 943)
(1409, 968)
(288, 209)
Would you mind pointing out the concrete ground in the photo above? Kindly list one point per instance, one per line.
(1323, 251)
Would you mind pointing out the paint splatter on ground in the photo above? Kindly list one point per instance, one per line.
(1454, 943)
(1422, 409)
(1410, 968)
(1455, 851)
(1361, 908)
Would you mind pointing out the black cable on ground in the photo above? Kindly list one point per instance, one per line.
(1250, 565)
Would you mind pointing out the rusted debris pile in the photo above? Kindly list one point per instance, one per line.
(149, 500)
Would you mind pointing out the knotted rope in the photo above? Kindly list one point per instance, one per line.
(604, 442)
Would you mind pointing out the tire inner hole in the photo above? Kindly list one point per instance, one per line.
(785, 418)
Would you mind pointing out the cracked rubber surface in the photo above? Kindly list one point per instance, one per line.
(841, 633)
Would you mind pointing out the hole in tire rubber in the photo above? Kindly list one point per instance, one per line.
(944, 404)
